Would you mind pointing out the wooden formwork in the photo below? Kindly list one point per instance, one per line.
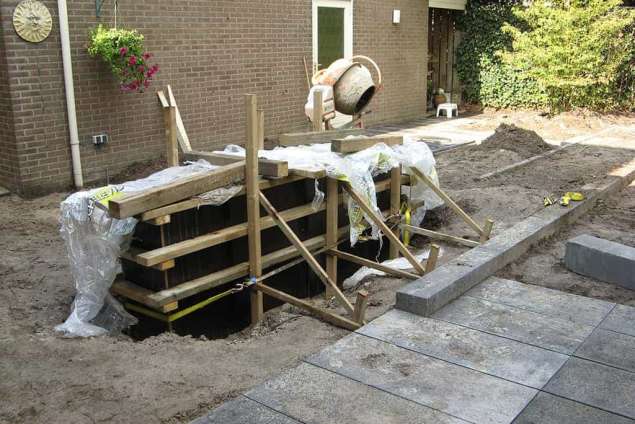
(187, 256)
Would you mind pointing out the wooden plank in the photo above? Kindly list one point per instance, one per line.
(395, 205)
(356, 144)
(136, 203)
(316, 175)
(235, 272)
(361, 303)
(161, 220)
(318, 111)
(253, 206)
(172, 148)
(487, 230)
(261, 132)
(451, 203)
(378, 220)
(332, 212)
(162, 99)
(139, 294)
(313, 263)
(266, 167)
(433, 257)
(297, 139)
(184, 140)
(439, 236)
(371, 264)
(318, 312)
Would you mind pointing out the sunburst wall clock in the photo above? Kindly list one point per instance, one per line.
(32, 21)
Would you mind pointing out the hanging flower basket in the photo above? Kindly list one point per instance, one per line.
(123, 51)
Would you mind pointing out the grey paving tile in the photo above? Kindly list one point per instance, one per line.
(549, 409)
(317, 396)
(597, 385)
(542, 300)
(621, 319)
(610, 348)
(518, 324)
(243, 411)
(498, 356)
(458, 391)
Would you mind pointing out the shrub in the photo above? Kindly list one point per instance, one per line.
(123, 51)
(581, 52)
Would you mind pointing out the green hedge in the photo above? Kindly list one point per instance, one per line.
(560, 55)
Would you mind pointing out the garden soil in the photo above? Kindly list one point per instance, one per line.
(174, 379)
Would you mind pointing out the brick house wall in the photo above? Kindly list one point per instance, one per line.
(211, 52)
(8, 156)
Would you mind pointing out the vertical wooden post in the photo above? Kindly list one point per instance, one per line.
(261, 129)
(253, 205)
(361, 303)
(431, 264)
(172, 152)
(318, 111)
(395, 205)
(487, 230)
(332, 209)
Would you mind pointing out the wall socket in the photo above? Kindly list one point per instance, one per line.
(100, 139)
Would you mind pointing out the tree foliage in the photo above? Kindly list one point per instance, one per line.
(556, 53)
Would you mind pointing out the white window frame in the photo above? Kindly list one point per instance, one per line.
(347, 5)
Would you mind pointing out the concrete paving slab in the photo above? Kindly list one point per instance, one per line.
(601, 259)
(610, 348)
(244, 411)
(542, 300)
(450, 388)
(597, 385)
(549, 409)
(497, 356)
(525, 326)
(621, 320)
(317, 396)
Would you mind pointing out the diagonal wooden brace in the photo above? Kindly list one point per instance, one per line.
(451, 203)
(313, 263)
(378, 220)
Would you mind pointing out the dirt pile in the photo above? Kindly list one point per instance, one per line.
(510, 137)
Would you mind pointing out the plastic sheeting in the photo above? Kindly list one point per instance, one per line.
(365, 272)
(94, 242)
(359, 169)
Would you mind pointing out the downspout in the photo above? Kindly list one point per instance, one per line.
(70, 94)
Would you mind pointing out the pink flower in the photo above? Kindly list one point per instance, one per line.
(141, 69)
(123, 51)
(132, 60)
(147, 56)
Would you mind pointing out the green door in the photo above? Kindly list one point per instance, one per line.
(330, 35)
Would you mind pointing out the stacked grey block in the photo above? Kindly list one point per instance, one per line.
(601, 259)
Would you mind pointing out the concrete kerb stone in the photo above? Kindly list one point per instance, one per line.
(433, 291)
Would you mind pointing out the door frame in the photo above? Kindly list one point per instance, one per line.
(347, 5)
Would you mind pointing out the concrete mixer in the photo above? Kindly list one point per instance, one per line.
(347, 87)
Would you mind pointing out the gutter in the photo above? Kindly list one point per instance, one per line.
(70, 95)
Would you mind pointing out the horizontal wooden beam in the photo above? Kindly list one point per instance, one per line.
(136, 203)
(323, 314)
(356, 144)
(236, 272)
(439, 236)
(316, 137)
(371, 264)
(141, 295)
(266, 167)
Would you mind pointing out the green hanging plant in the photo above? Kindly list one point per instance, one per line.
(123, 51)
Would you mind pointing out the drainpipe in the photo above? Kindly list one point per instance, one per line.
(70, 94)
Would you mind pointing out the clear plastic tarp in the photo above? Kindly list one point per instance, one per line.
(94, 242)
(359, 169)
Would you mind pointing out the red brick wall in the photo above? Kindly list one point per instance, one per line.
(211, 52)
(8, 153)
